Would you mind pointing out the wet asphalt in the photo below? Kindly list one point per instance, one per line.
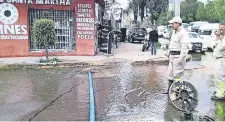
(123, 91)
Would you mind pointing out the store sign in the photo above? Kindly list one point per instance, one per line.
(9, 28)
(13, 32)
(42, 2)
(85, 21)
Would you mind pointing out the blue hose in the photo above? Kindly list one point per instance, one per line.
(92, 101)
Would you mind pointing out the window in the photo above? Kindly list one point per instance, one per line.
(142, 30)
(205, 32)
(64, 27)
(193, 35)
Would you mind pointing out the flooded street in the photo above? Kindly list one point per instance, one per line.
(122, 92)
(134, 92)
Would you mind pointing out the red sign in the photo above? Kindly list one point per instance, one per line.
(85, 21)
(13, 25)
(40, 2)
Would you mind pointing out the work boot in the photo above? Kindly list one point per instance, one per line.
(170, 83)
(214, 97)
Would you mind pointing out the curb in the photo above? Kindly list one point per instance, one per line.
(66, 65)
(160, 60)
(42, 65)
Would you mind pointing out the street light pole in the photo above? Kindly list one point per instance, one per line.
(176, 4)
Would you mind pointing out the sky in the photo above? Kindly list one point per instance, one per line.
(124, 3)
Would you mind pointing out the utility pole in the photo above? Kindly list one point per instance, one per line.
(176, 4)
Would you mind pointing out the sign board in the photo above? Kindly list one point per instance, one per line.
(10, 26)
(85, 21)
(96, 12)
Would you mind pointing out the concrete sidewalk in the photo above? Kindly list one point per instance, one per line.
(126, 52)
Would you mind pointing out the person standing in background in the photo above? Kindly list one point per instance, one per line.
(153, 39)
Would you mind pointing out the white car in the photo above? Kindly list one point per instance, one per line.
(196, 43)
(207, 31)
(166, 34)
(161, 30)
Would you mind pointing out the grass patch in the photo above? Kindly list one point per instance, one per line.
(53, 60)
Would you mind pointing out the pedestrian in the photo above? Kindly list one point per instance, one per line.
(153, 39)
(219, 55)
(178, 50)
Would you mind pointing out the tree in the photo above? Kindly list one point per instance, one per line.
(219, 8)
(164, 18)
(133, 6)
(189, 9)
(211, 12)
(142, 5)
(44, 34)
(154, 7)
(201, 12)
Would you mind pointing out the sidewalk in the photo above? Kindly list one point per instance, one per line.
(126, 52)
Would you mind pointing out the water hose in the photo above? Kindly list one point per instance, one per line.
(92, 101)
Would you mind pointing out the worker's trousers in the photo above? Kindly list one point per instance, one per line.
(176, 67)
(219, 77)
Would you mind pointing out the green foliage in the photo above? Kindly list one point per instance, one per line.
(159, 44)
(154, 7)
(219, 7)
(212, 12)
(44, 32)
(164, 18)
(200, 15)
(53, 60)
(189, 9)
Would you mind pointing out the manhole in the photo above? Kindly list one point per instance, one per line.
(183, 96)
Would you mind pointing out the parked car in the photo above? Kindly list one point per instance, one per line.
(196, 25)
(161, 30)
(166, 34)
(207, 32)
(196, 42)
(148, 31)
(137, 34)
(185, 26)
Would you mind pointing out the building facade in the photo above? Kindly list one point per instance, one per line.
(74, 26)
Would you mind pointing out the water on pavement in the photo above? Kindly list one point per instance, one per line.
(127, 92)
(122, 92)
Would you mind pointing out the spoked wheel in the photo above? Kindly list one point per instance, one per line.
(183, 96)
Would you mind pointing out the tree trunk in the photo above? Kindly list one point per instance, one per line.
(142, 10)
(46, 52)
(135, 16)
(146, 10)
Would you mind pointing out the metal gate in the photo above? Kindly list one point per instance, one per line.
(64, 28)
